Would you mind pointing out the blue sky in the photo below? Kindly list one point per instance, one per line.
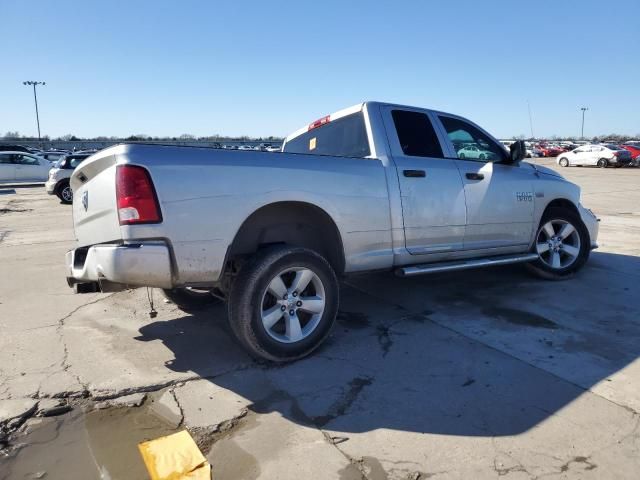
(269, 67)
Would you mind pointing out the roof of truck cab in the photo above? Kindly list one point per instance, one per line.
(356, 108)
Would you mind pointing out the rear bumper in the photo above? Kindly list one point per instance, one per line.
(135, 265)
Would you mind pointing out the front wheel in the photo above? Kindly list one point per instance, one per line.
(563, 162)
(65, 194)
(283, 303)
(562, 243)
(602, 163)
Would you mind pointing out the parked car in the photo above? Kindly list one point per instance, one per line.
(21, 167)
(634, 150)
(537, 152)
(551, 151)
(596, 155)
(372, 187)
(53, 155)
(475, 152)
(273, 148)
(6, 147)
(59, 175)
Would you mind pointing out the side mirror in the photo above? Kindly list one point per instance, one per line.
(518, 151)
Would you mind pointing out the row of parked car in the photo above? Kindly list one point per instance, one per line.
(19, 164)
(601, 154)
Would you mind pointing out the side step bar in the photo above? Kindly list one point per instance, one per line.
(414, 270)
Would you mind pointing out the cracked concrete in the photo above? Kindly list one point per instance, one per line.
(483, 374)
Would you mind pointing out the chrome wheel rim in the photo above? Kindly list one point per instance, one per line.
(558, 244)
(67, 194)
(292, 305)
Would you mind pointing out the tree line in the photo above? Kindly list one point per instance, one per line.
(140, 137)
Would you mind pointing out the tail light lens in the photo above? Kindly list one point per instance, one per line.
(136, 197)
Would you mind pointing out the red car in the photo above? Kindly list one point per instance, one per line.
(634, 150)
(548, 151)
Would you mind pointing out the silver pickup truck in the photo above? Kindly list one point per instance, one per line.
(372, 187)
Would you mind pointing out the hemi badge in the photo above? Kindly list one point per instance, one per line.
(539, 194)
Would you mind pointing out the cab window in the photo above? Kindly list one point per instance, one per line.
(468, 139)
(416, 134)
(344, 137)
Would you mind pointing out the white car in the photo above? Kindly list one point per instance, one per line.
(20, 167)
(595, 155)
(475, 152)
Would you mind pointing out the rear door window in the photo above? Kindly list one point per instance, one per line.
(344, 137)
(416, 134)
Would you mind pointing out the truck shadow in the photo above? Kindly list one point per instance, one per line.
(479, 353)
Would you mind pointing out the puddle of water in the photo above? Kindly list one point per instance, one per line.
(100, 445)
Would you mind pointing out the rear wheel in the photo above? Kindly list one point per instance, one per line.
(563, 162)
(65, 194)
(562, 243)
(190, 298)
(283, 303)
(603, 163)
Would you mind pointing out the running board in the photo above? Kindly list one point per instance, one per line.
(413, 270)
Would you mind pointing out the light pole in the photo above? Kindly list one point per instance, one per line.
(584, 109)
(35, 99)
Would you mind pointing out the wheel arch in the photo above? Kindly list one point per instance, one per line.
(295, 223)
(61, 184)
(560, 203)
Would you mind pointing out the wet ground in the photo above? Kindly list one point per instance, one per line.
(100, 444)
(480, 374)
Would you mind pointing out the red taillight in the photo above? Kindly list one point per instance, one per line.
(616, 153)
(319, 122)
(136, 197)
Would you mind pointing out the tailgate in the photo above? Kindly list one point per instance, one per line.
(95, 214)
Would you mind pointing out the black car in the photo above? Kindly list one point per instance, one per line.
(5, 147)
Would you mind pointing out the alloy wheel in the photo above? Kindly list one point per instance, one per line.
(558, 244)
(67, 194)
(293, 304)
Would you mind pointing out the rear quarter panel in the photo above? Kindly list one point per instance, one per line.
(206, 195)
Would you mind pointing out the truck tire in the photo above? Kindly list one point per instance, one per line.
(563, 243)
(188, 299)
(283, 303)
(64, 192)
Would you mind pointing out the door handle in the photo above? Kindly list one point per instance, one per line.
(474, 176)
(414, 173)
